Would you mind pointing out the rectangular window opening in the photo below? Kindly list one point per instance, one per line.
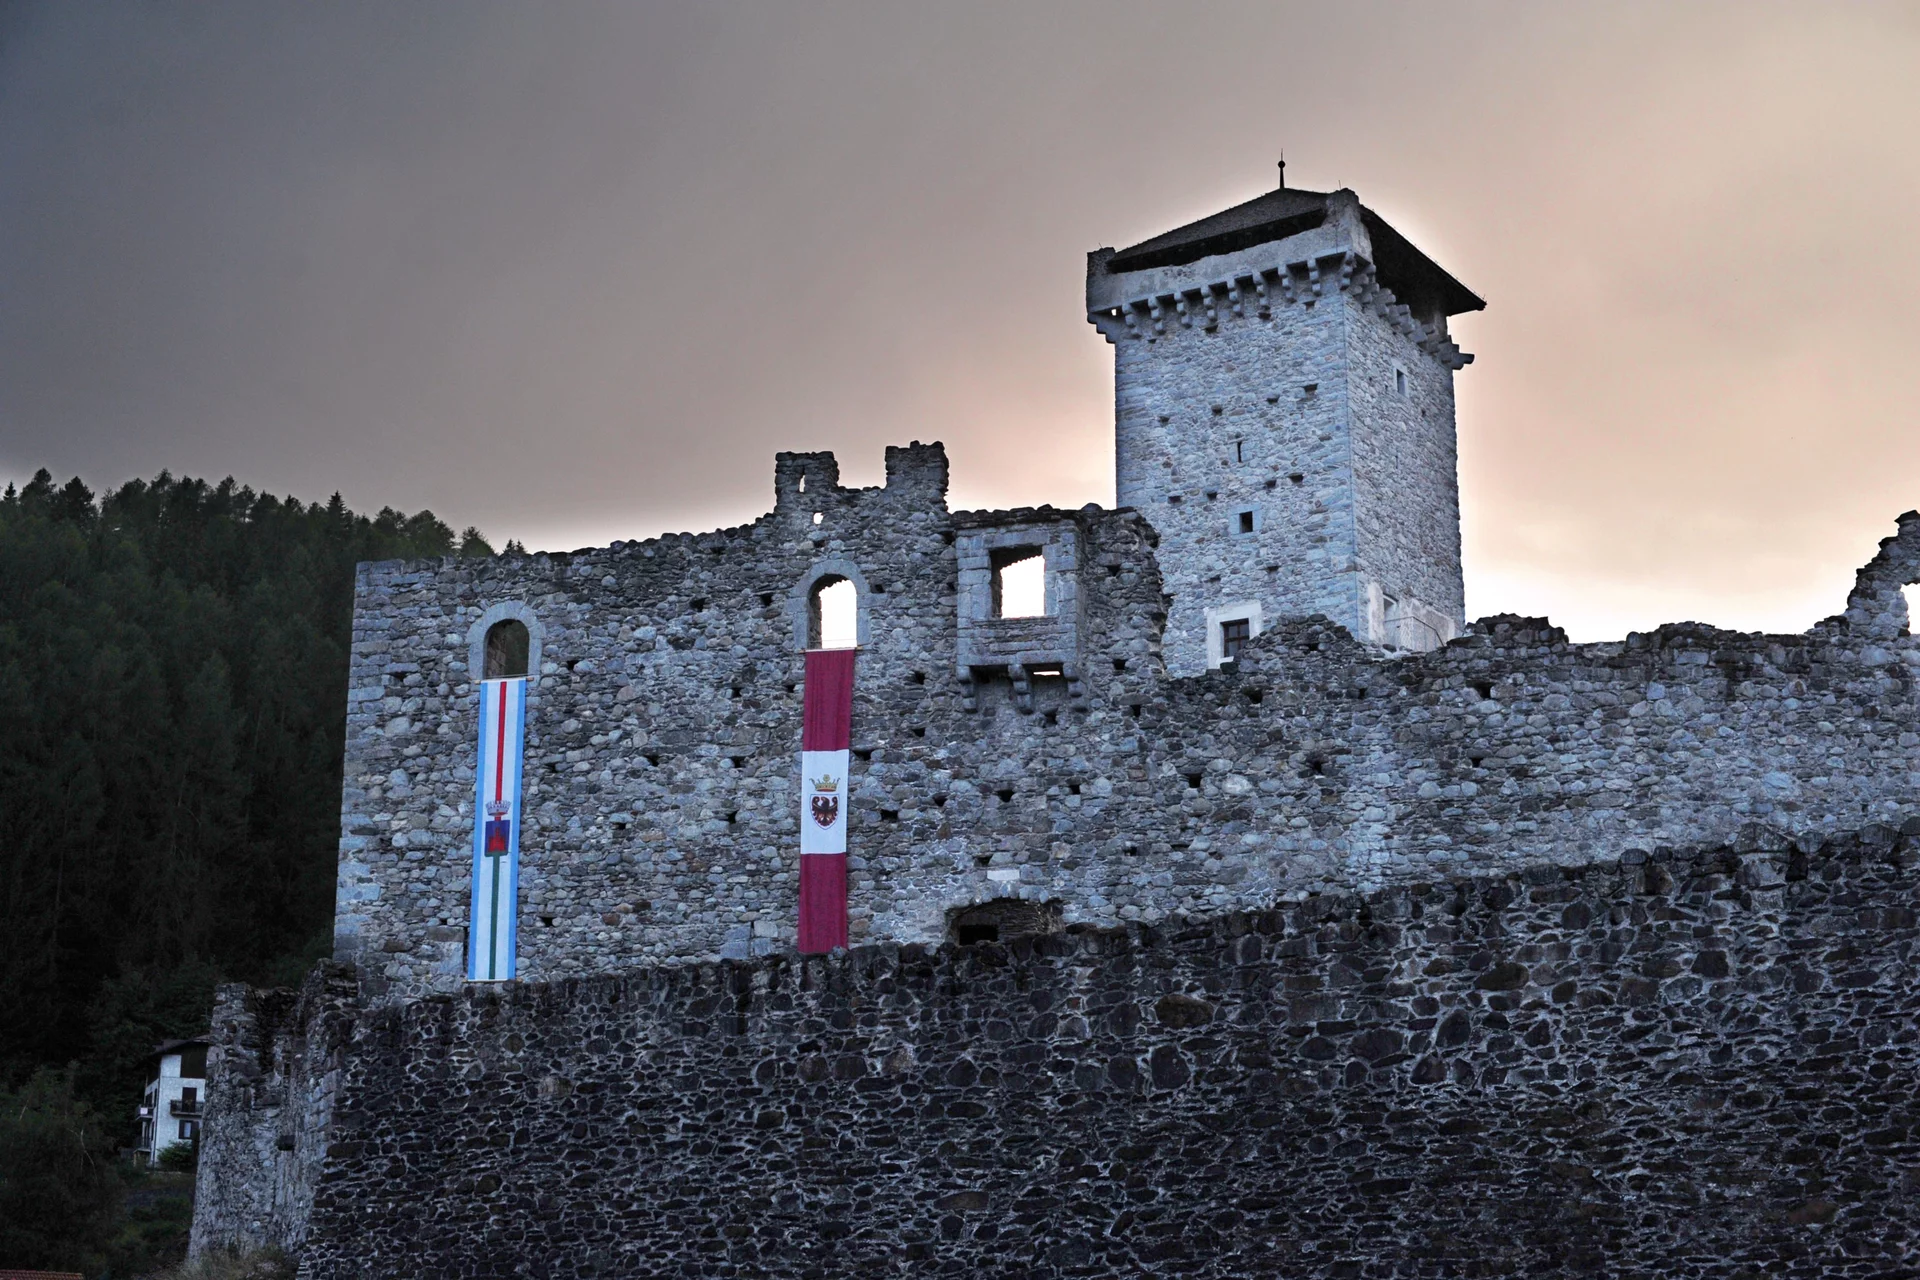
(1245, 519)
(1234, 634)
(1019, 582)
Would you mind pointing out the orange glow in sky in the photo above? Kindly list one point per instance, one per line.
(574, 273)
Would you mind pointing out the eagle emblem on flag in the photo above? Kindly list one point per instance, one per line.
(825, 806)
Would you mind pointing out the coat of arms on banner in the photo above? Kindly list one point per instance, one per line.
(826, 800)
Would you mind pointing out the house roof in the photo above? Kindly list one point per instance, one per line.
(166, 1047)
(1417, 279)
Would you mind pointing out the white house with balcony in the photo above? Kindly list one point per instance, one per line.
(176, 1092)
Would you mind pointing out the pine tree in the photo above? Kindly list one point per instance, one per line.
(173, 668)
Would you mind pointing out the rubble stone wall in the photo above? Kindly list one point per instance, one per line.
(272, 1070)
(660, 819)
(1676, 1064)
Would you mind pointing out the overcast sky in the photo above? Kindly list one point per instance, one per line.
(574, 272)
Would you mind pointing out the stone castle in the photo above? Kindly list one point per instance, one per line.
(1243, 870)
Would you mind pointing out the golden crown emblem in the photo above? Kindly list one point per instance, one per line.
(826, 782)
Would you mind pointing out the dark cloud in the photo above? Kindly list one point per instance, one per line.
(574, 272)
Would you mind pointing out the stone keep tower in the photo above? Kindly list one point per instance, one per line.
(1283, 414)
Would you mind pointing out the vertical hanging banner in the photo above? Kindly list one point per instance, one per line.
(496, 832)
(825, 736)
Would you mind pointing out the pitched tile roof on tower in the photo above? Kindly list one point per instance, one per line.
(1418, 279)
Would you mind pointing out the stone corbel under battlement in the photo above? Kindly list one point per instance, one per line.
(1257, 290)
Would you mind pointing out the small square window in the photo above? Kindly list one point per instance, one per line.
(1246, 522)
(1234, 634)
(1019, 582)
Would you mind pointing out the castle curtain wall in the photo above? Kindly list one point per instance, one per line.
(1697, 1065)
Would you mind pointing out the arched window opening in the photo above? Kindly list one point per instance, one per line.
(1019, 582)
(833, 614)
(506, 651)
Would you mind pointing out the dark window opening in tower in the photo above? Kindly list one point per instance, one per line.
(1234, 634)
(833, 614)
(1400, 381)
(1019, 582)
(1246, 522)
(506, 650)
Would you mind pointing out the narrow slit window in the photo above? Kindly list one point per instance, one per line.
(506, 650)
(1400, 381)
(1019, 582)
(833, 614)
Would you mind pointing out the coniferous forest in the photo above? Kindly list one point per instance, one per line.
(173, 669)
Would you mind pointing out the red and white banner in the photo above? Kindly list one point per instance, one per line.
(825, 736)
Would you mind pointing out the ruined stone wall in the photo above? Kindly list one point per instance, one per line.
(272, 1072)
(659, 818)
(660, 811)
(1679, 1065)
